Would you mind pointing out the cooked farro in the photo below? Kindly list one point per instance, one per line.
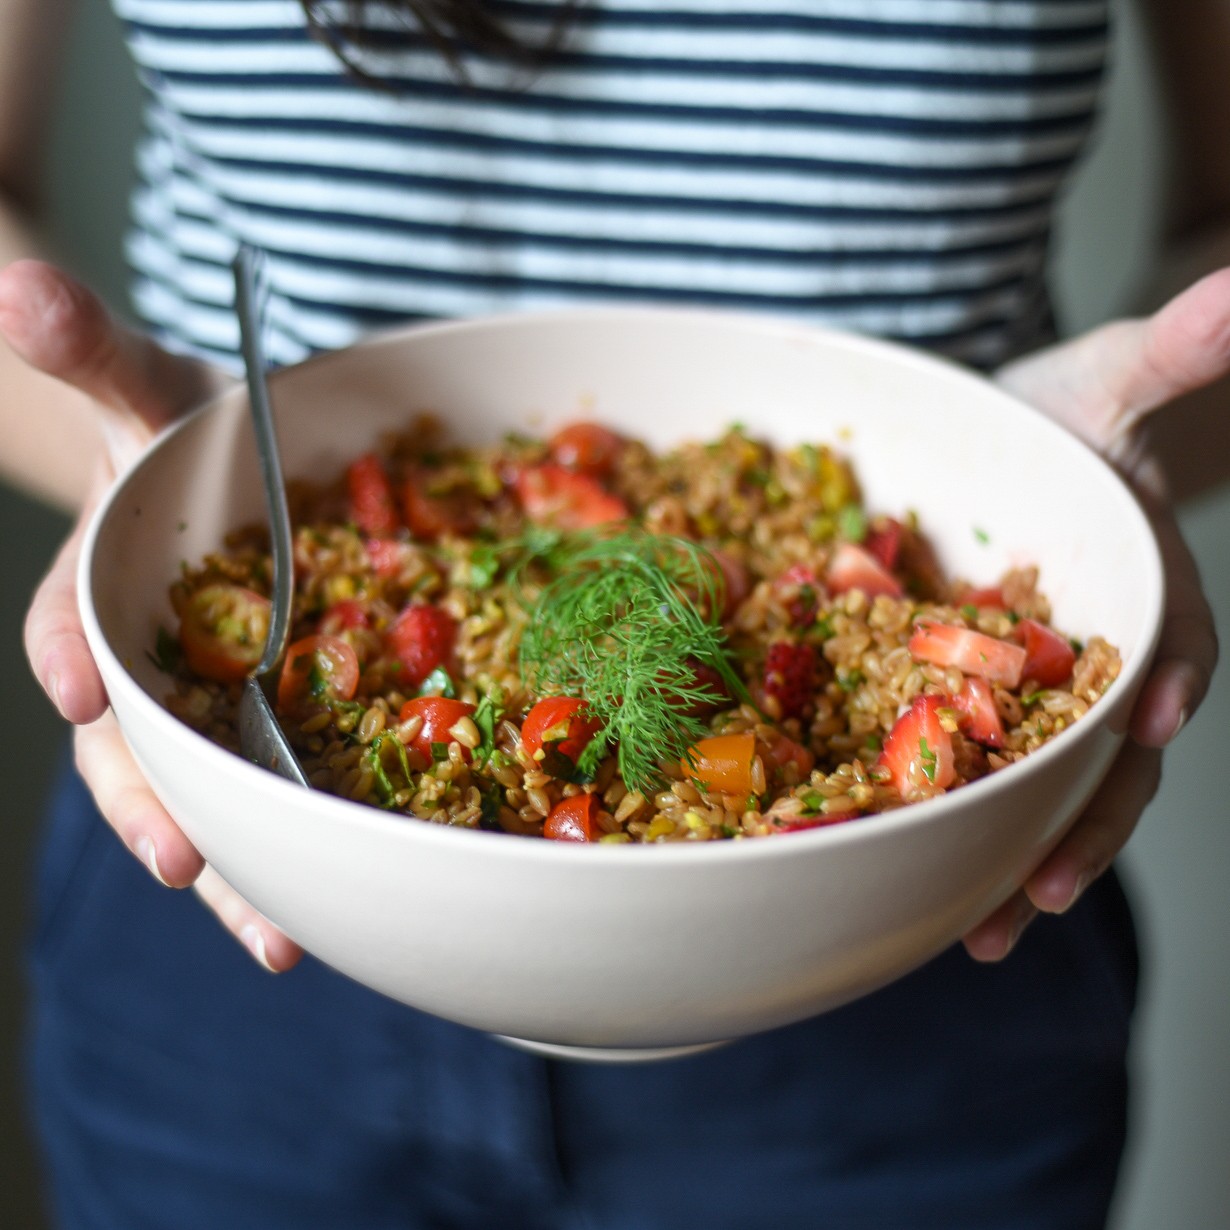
(854, 677)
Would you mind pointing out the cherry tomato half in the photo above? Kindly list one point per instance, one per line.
(588, 448)
(559, 723)
(440, 715)
(318, 668)
(565, 499)
(222, 630)
(573, 819)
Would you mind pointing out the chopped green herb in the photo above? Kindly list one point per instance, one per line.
(484, 565)
(167, 653)
(849, 680)
(813, 802)
(874, 742)
(487, 717)
(927, 759)
(1033, 697)
(823, 627)
(970, 611)
(981, 535)
(438, 683)
(439, 751)
(852, 523)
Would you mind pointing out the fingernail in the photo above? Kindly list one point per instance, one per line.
(1078, 890)
(1179, 724)
(254, 942)
(53, 691)
(145, 851)
(1024, 917)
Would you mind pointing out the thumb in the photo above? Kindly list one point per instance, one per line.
(1103, 384)
(62, 329)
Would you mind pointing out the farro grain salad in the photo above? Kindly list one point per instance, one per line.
(580, 639)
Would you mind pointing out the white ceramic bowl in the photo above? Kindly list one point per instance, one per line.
(634, 950)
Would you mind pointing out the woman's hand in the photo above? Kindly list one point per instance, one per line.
(62, 330)
(1103, 387)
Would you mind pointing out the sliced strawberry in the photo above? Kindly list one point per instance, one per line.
(852, 567)
(709, 678)
(552, 495)
(791, 676)
(918, 751)
(979, 718)
(991, 597)
(1049, 658)
(370, 493)
(973, 653)
(883, 541)
(422, 637)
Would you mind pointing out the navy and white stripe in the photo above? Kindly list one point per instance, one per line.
(885, 165)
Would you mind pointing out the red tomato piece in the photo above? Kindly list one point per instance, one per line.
(371, 496)
(800, 588)
(222, 631)
(972, 653)
(440, 715)
(588, 448)
(344, 615)
(431, 516)
(421, 638)
(780, 751)
(883, 541)
(317, 668)
(724, 763)
(918, 751)
(1049, 658)
(573, 819)
(559, 723)
(852, 567)
(552, 495)
(734, 581)
(387, 555)
(979, 717)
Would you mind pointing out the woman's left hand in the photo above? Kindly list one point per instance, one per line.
(1103, 386)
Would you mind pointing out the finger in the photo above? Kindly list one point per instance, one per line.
(65, 331)
(1102, 384)
(269, 946)
(132, 809)
(1100, 833)
(996, 936)
(1187, 650)
(55, 641)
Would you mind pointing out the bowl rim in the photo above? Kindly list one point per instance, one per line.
(622, 855)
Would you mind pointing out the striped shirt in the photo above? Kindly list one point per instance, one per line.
(889, 166)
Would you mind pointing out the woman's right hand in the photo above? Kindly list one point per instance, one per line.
(62, 330)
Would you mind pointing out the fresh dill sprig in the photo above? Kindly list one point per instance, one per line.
(623, 624)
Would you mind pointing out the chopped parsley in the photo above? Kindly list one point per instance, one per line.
(438, 683)
(927, 759)
(167, 653)
(852, 523)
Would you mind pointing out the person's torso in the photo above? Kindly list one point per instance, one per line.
(884, 165)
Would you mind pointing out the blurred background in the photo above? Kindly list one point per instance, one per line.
(1177, 864)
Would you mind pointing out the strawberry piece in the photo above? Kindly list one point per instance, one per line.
(588, 448)
(918, 751)
(342, 616)
(422, 637)
(990, 597)
(979, 717)
(852, 567)
(431, 517)
(371, 496)
(1049, 658)
(779, 751)
(972, 653)
(791, 677)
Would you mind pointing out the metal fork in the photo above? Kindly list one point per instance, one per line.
(261, 738)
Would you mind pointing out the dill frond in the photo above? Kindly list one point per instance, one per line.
(622, 625)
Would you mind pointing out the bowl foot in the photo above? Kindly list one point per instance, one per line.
(608, 1054)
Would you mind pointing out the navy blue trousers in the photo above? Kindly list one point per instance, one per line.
(177, 1086)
